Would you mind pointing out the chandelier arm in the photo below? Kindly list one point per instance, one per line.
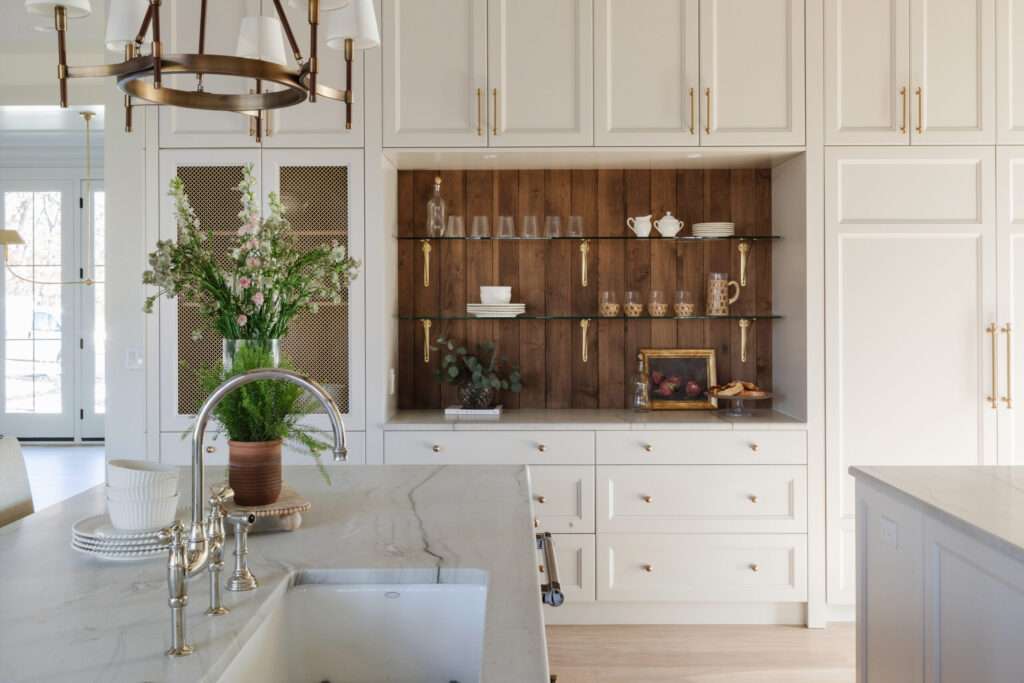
(60, 22)
(134, 65)
(323, 90)
(202, 39)
(314, 66)
(296, 52)
(157, 47)
(146, 19)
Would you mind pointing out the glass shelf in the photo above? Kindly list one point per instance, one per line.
(760, 316)
(677, 238)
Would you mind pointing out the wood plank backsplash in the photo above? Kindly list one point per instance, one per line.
(545, 275)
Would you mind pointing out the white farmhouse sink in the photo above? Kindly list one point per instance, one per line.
(342, 627)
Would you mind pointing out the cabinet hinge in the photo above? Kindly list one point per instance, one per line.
(81, 202)
(81, 343)
(81, 273)
(81, 413)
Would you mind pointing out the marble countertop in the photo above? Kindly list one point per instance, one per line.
(578, 419)
(68, 617)
(985, 502)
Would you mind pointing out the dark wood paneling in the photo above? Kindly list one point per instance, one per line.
(546, 276)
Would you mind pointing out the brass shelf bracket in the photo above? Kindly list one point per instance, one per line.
(584, 326)
(426, 262)
(744, 249)
(744, 326)
(584, 250)
(426, 342)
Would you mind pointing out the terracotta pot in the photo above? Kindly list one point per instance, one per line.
(254, 471)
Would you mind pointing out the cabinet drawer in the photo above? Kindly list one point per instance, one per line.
(489, 448)
(702, 448)
(576, 557)
(702, 567)
(702, 498)
(563, 498)
(175, 450)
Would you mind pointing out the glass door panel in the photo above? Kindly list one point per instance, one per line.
(92, 379)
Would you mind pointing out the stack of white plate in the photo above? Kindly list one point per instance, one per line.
(97, 537)
(495, 310)
(714, 229)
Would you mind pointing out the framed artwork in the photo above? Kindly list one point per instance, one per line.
(679, 379)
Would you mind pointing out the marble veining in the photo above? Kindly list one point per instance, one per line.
(68, 617)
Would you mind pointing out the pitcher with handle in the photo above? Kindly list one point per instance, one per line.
(718, 298)
(641, 225)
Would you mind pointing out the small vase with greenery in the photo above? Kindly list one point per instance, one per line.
(479, 376)
(258, 418)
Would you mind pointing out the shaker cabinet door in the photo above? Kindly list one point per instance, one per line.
(647, 79)
(867, 72)
(540, 72)
(752, 72)
(435, 73)
(1010, 68)
(1010, 292)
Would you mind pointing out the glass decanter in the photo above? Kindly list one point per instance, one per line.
(436, 211)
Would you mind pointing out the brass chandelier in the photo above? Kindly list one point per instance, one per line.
(352, 24)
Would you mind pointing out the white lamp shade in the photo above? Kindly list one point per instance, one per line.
(325, 5)
(262, 38)
(357, 22)
(123, 22)
(76, 9)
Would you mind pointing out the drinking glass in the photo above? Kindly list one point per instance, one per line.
(552, 226)
(633, 307)
(684, 306)
(506, 227)
(657, 307)
(481, 227)
(456, 227)
(529, 228)
(609, 307)
(575, 226)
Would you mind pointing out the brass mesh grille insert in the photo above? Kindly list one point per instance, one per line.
(316, 201)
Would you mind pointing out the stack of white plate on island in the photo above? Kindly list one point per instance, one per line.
(495, 310)
(97, 537)
(714, 229)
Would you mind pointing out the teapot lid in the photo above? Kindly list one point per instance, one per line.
(668, 214)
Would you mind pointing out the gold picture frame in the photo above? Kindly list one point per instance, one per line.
(679, 379)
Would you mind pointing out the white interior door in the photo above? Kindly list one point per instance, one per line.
(752, 72)
(952, 64)
(647, 72)
(910, 290)
(1010, 352)
(867, 72)
(435, 73)
(540, 72)
(1010, 69)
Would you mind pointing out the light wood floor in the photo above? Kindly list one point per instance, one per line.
(702, 654)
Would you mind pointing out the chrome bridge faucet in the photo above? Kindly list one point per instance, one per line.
(202, 545)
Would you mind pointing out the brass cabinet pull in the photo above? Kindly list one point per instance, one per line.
(541, 447)
(991, 329)
(426, 348)
(920, 109)
(1008, 399)
(753, 499)
(648, 447)
(648, 499)
(584, 250)
(648, 568)
(536, 523)
(903, 121)
(693, 111)
(584, 326)
(479, 111)
(755, 447)
(755, 567)
(426, 262)
(707, 121)
(494, 124)
(211, 449)
(541, 499)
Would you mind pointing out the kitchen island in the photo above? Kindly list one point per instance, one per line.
(940, 574)
(67, 617)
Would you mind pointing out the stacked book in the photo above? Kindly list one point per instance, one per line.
(495, 310)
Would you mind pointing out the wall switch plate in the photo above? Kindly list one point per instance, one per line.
(134, 359)
(889, 531)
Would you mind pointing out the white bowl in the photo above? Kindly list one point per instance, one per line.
(163, 488)
(495, 295)
(127, 474)
(137, 515)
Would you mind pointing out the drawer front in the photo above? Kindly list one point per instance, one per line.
(563, 498)
(702, 567)
(576, 556)
(702, 498)
(702, 448)
(489, 448)
(175, 450)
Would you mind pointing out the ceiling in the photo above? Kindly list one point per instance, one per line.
(19, 34)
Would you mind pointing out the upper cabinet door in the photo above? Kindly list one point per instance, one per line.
(752, 72)
(953, 71)
(867, 72)
(1010, 67)
(320, 123)
(540, 70)
(435, 73)
(1010, 271)
(181, 127)
(646, 58)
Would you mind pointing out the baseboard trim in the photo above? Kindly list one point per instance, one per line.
(841, 613)
(608, 613)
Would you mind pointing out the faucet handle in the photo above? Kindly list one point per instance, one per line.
(220, 494)
(172, 535)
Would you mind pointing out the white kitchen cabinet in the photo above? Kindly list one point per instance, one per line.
(540, 72)
(700, 447)
(1010, 69)
(952, 65)
(435, 73)
(489, 448)
(1010, 292)
(647, 78)
(563, 498)
(752, 72)
(867, 72)
(910, 291)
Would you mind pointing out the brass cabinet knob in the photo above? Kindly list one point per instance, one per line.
(541, 447)
(648, 499)
(540, 568)
(436, 448)
(755, 567)
(211, 449)
(755, 447)
(753, 499)
(648, 568)
(648, 447)
(541, 499)
(536, 523)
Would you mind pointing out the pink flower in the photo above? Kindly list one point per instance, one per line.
(242, 320)
(253, 262)
(257, 298)
(244, 282)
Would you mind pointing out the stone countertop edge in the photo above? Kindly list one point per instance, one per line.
(984, 502)
(68, 617)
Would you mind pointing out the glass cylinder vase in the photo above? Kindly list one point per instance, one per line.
(232, 346)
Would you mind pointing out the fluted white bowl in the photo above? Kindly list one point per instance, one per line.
(138, 515)
(162, 488)
(128, 474)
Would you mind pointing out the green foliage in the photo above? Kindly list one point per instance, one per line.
(482, 369)
(266, 410)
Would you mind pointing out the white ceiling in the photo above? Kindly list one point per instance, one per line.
(19, 34)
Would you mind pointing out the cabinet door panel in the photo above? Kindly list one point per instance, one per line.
(1010, 67)
(752, 69)
(541, 64)
(647, 77)
(867, 64)
(952, 62)
(435, 62)
(1010, 268)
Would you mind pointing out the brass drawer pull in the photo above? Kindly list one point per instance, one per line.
(211, 449)
(536, 523)
(755, 447)
(755, 567)
(541, 499)
(541, 447)
(648, 447)
(648, 568)
(753, 499)
(648, 499)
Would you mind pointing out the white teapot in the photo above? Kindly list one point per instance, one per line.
(668, 225)
(641, 225)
